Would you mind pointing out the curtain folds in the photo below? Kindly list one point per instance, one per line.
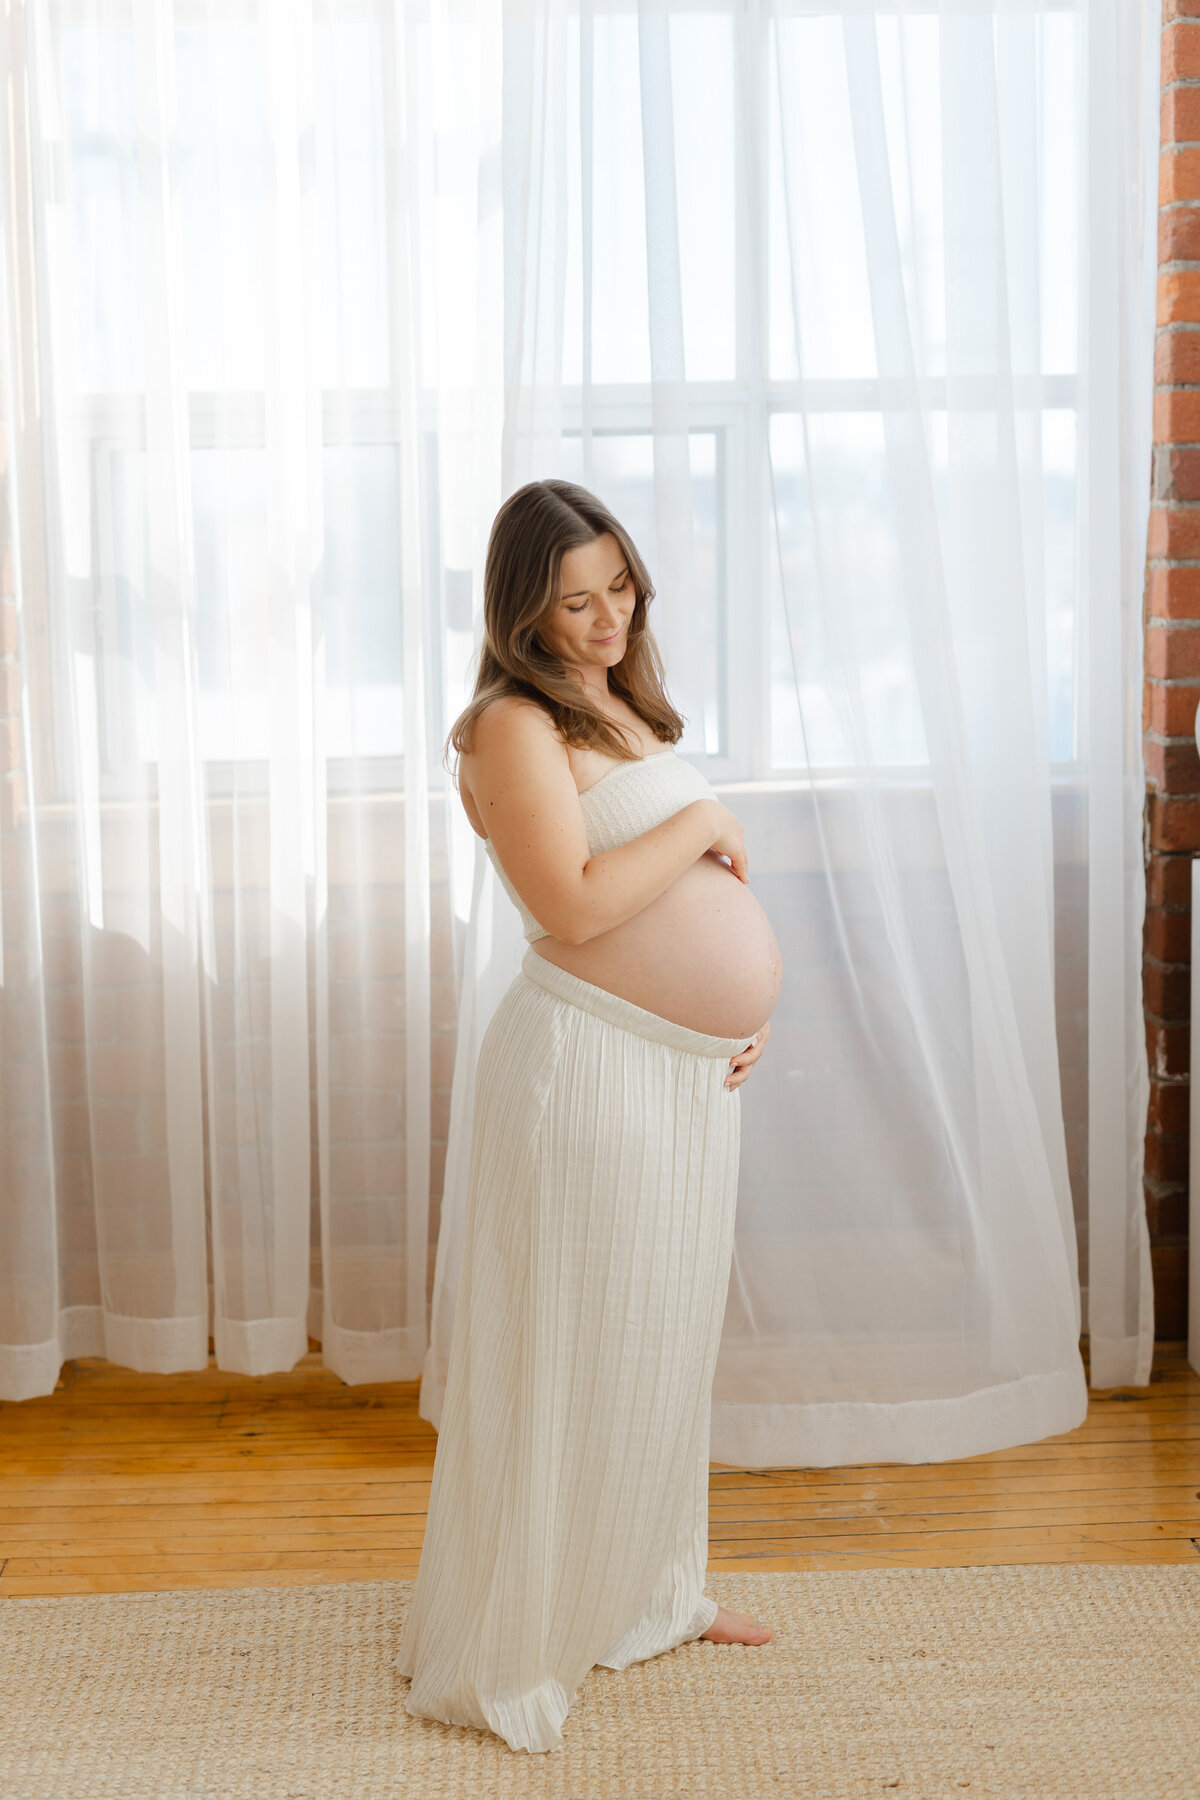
(848, 311)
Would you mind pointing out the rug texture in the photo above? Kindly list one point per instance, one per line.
(1057, 1683)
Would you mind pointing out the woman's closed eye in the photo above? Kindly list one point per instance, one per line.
(583, 603)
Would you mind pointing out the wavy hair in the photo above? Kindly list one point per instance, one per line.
(530, 534)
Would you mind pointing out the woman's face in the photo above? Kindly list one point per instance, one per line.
(589, 626)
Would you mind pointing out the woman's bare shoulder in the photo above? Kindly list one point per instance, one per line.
(509, 725)
(506, 713)
(508, 734)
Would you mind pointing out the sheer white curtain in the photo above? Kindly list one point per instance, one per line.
(845, 309)
(850, 309)
(252, 457)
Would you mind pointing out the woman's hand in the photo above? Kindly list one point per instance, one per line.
(745, 1060)
(730, 842)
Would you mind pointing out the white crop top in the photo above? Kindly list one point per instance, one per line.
(630, 799)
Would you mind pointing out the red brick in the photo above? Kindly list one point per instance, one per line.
(1172, 768)
(68, 1068)
(1177, 347)
(1174, 531)
(1166, 1158)
(1168, 993)
(1180, 119)
(368, 1169)
(1166, 1208)
(1169, 1266)
(1171, 707)
(1173, 593)
(130, 1069)
(12, 800)
(1180, 54)
(1180, 767)
(142, 1184)
(1176, 473)
(10, 745)
(1167, 936)
(1174, 824)
(1180, 9)
(1170, 1106)
(1172, 650)
(1167, 1048)
(1177, 416)
(1178, 294)
(1169, 881)
(1179, 175)
(1179, 232)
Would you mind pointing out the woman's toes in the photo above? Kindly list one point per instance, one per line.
(737, 1628)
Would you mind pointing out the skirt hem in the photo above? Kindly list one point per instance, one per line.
(534, 1721)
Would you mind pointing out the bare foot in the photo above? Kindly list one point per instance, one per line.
(736, 1628)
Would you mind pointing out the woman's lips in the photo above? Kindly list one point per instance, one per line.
(611, 639)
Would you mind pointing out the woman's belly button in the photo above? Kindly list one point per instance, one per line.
(703, 954)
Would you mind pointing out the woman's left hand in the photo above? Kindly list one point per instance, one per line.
(741, 1064)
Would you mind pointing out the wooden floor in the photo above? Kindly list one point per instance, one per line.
(118, 1482)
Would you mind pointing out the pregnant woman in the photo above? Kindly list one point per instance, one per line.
(568, 1512)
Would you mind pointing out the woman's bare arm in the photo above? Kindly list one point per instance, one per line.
(522, 784)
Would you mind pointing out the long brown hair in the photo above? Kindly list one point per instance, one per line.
(530, 534)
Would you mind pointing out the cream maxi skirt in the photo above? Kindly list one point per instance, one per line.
(568, 1512)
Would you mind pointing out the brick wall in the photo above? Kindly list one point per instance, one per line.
(1172, 641)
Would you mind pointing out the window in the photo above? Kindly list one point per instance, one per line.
(753, 312)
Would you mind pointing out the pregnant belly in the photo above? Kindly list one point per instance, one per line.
(703, 954)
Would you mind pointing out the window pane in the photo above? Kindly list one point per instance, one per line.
(843, 685)
(909, 77)
(364, 634)
(620, 314)
(124, 638)
(217, 155)
(353, 275)
(222, 208)
(702, 71)
(818, 327)
(104, 228)
(694, 293)
(359, 660)
(843, 691)
(1059, 475)
(1060, 205)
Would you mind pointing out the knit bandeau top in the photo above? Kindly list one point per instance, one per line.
(630, 799)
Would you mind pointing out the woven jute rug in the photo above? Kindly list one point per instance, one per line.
(1079, 1682)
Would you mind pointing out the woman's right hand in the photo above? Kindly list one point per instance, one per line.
(729, 841)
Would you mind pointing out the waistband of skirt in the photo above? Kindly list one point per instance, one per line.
(623, 1012)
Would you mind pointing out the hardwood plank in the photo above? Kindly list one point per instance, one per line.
(246, 1562)
(126, 1482)
(999, 1557)
(910, 1534)
(134, 1582)
(1183, 1513)
(198, 1516)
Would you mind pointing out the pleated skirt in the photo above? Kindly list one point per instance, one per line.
(568, 1511)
